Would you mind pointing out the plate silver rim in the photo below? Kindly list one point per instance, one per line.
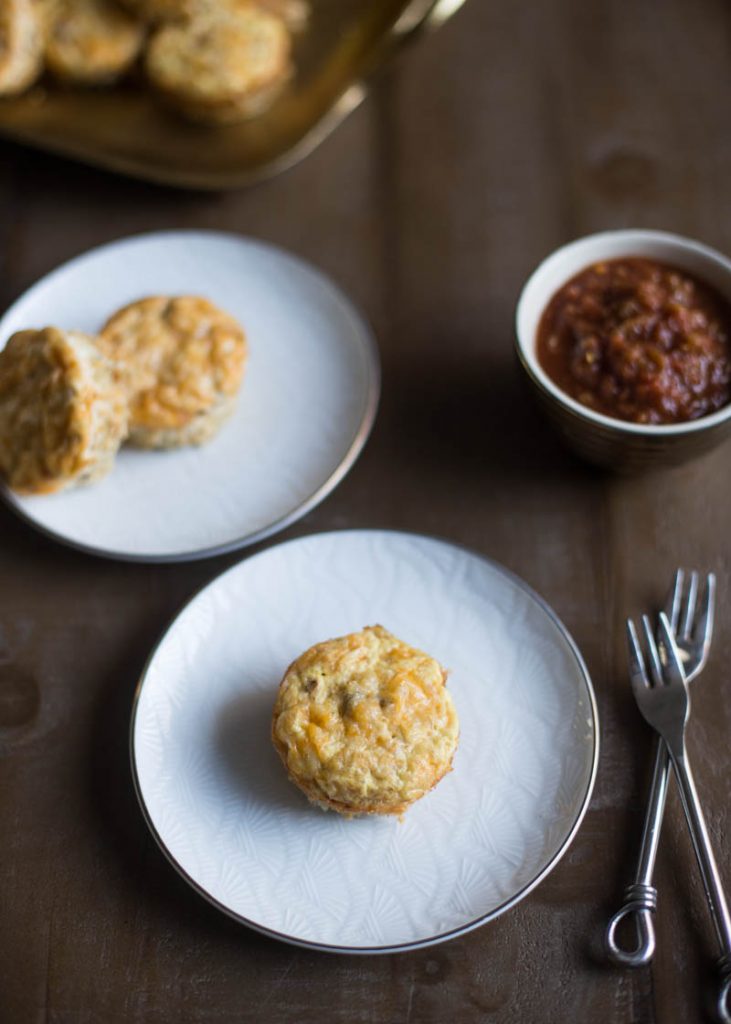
(372, 396)
(432, 940)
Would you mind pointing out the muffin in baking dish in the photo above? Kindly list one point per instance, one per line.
(222, 66)
(364, 724)
(92, 42)
(63, 415)
(181, 363)
(21, 45)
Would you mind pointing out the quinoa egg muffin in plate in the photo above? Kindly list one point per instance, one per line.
(181, 361)
(364, 724)
(63, 415)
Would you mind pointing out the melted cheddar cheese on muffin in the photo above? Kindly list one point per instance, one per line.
(62, 413)
(182, 361)
(364, 724)
(92, 42)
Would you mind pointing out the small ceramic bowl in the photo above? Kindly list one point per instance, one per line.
(628, 447)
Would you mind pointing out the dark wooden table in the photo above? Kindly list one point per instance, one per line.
(514, 129)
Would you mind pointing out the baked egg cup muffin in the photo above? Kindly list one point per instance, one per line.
(181, 363)
(92, 42)
(63, 415)
(222, 66)
(21, 45)
(364, 724)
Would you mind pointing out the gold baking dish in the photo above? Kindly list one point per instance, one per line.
(126, 130)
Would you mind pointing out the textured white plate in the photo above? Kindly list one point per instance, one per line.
(306, 406)
(216, 795)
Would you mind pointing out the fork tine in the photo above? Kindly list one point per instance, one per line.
(674, 666)
(686, 628)
(654, 655)
(703, 628)
(637, 671)
(674, 599)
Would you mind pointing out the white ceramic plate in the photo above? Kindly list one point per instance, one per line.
(216, 796)
(307, 402)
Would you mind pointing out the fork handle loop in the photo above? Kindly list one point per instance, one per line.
(640, 901)
(723, 1003)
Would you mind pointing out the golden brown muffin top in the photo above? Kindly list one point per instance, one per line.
(179, 356)
(364, 723)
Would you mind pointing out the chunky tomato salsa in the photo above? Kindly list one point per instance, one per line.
(640, 341)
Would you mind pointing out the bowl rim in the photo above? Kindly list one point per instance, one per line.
(594, 244)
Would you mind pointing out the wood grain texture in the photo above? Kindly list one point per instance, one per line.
(512, 130)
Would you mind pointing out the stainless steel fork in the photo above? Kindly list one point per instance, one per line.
(662, 697)
(692, 624)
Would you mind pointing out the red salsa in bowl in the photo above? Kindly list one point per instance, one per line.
(639, 340)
